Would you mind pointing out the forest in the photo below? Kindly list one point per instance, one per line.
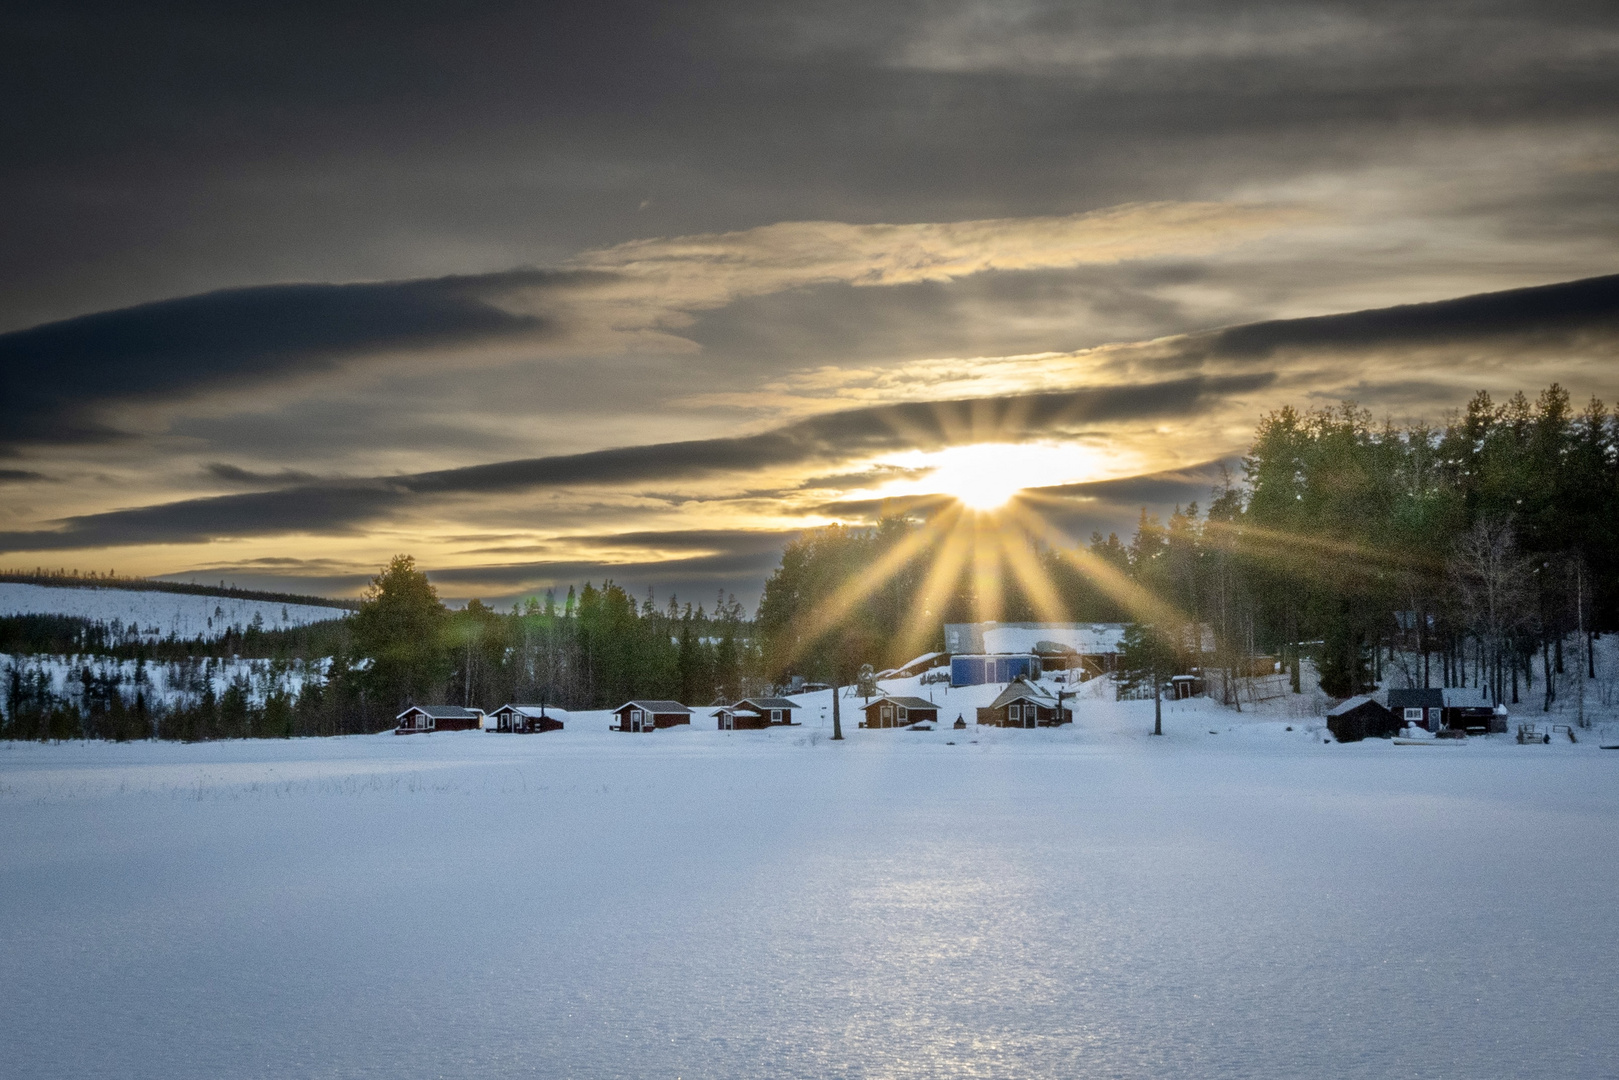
(1466, 553)
(1475, 552)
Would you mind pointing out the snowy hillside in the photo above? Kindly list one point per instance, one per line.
(157, 615)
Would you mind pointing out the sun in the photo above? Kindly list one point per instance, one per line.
(984, 477)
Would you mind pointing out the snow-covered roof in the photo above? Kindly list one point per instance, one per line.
(655, 706)
(534, 710)
(1019, 690)
(1351, 705)
(444, 712)
(1087, 638)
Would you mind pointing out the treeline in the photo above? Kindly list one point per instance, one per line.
(102, 702)
(594, 648)
(83, 579)
(1464, 553)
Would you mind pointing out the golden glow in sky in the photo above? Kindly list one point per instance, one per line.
(985, 476)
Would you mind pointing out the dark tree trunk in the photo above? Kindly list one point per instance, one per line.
(1546, 662)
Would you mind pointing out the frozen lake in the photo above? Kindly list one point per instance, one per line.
(1079, 903)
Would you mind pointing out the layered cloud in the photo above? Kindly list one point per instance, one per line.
(827, 440)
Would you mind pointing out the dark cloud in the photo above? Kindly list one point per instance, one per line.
(54, 378)
(162, 148)
(1553, 312)
(695, 579)
(235, 474)
(1107, 506)
(19, 476)
(345, 505)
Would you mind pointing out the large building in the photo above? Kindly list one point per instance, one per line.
(1086, 639)
(1000, 652)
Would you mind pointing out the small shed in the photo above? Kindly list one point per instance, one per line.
(650, 715)
(1468, 709)
(526, 719)
(1182, 687)
(755, 713)
(894, 712)
(981, 669)
(419, 718)
(1024, 705)
(1362, 718)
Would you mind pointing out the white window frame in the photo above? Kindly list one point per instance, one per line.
(1014, 713)
(1413, 714)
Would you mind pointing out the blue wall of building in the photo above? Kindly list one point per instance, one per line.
(978, 670)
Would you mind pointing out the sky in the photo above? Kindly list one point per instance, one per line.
(542, 294)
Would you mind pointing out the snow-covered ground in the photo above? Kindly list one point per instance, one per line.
(1085, 901)
(157, 615)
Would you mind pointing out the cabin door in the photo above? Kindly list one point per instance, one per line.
(1030, 717)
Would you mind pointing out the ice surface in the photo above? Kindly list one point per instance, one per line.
(1079, 902)
(157, 615)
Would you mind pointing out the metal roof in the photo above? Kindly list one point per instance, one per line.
(655, 706)
(1417, 697)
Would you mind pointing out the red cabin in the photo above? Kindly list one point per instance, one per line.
(525, 719)
(650, 715)
(419, 718)
(893, 712)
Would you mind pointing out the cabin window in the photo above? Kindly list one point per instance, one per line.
(1413, 715)
(775, 716)
(902, 713)
(1014, 713)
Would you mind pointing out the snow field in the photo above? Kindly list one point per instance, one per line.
(1085, 901)
(154, 616)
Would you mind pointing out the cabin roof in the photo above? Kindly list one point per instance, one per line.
(532, 710)
(655, 707)
(1350, 705)
(908, 702)
(1020, 690)
(443, 712)
(1417, 697)
(767, 703)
